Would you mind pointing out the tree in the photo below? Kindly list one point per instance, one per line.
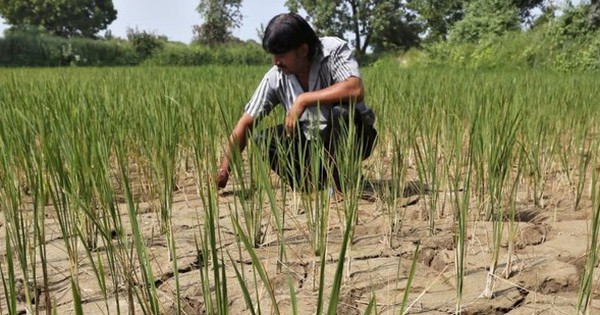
(484, 18)
(594, 14)
(367, 20)
(437, 17)
(220, 16)
(63, 18)
(402, 34)
(145, 43)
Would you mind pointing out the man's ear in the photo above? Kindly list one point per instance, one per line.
(303, 50)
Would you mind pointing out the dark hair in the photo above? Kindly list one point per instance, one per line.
(289, 31)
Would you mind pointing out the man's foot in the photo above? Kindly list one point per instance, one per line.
(367, 194)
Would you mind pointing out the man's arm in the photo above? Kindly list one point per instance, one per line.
(237, 140)
(350, 90)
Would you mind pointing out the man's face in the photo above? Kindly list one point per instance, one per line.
(293, 61)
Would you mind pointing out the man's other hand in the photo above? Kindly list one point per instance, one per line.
(291, 120)
(222, 178)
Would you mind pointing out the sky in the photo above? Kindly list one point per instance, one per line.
(175, 18)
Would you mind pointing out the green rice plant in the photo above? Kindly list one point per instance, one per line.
(427, 151)
(161, 136)
(162, 133)
(248, 227)
(476, 150)
(18, 229)
(411, 274)
(459, 171)
(503, 139)
(204, 138)
(34, 170)
(316, 202)
(37, 137)
(279, 215)
(395, 111)
(261, 184)
(212, 240)
(258, 268)
(9, 282)
(395, 190)
(349, 163)
(112, 264)
(115, 262)
(372, 306)
(585, 156)
(511, 215)
(63, 188)
(538, 148)
(586, 285)
(67, 220)
(337, 281)
(251, 195)
(147, 295)
(566, 149)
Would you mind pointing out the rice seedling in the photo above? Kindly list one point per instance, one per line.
(393, 192)
(459, 170)
(60, 188)
(500, 160)
(208, 251)
(147, 294)
(586, 285)
(404, 308)
(586, 148)
(511, 215)
(17, 241)
(427, 151)
(538, 159)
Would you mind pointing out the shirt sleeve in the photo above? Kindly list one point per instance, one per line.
(264, 98)
(343, 64)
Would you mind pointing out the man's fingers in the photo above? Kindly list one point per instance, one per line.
(289, 126)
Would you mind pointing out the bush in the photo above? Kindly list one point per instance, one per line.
(563, 43)
(103, 53)
(32, 48)
(26, 48)
(145, 43)
(197, 55)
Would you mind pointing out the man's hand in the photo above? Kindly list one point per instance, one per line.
(222, 178)
(291, 120)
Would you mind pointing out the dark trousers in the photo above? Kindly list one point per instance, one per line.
(304, 163)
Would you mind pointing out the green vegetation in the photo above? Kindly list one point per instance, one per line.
(94, 159)
(108, 200)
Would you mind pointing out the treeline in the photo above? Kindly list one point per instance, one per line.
(33, 48)
(476, 33)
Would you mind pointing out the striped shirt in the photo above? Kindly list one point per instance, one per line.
(334, 64)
